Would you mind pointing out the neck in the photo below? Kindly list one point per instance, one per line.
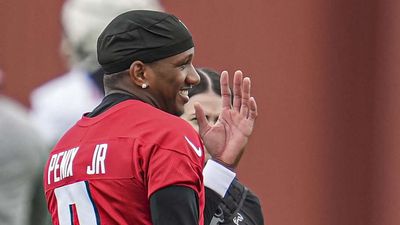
(140, 94)
(110, 92)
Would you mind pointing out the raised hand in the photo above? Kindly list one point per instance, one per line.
(228, 137)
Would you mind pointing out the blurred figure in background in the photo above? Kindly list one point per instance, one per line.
(58, 104)
(240, 205)
(22, 155)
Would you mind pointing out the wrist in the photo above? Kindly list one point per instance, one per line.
(226, 165)
(217, 177)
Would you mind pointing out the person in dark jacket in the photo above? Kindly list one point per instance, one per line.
(240, 205)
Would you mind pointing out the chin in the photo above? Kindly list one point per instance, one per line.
(178, 113)
(179, 109)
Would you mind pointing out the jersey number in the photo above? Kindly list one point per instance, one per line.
(75, 200)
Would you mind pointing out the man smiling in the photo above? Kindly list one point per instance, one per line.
(136, 162)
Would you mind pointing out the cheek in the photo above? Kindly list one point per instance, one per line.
(176, 79)
(169, 82)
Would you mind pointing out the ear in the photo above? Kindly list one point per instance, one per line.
(136, 73)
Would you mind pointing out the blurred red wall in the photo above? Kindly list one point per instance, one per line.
(325, 76)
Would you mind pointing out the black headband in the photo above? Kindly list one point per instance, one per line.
(142, 35)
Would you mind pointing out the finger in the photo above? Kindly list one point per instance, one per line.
(253, 109)
(237, 90)
(201, 119)
(225, 92)
(244, 109)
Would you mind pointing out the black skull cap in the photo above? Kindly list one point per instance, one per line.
(142, 35)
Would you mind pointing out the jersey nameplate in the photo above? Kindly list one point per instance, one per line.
(61, 164)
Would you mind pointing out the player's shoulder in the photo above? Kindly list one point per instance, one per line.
(166, 130)
(173, 124)
(154, 126)
(157, 118)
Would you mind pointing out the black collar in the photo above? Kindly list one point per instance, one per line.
(109, 101)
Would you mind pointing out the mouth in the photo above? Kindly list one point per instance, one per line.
(184, 92)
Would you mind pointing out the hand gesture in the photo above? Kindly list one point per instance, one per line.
(227, 138)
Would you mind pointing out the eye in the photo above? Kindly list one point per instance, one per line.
(184, 65)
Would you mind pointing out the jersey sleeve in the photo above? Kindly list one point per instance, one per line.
(176, 160)
(173, 168)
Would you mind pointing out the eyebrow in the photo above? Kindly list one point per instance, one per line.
(184, 59)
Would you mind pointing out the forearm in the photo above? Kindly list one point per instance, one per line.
(179, 205)
(174, 205)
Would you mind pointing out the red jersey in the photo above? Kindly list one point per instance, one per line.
(105, 168)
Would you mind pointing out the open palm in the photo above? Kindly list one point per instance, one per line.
(227, 138)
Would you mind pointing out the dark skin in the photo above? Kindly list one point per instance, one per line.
(167, 81)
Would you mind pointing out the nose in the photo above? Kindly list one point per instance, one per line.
(193, 77)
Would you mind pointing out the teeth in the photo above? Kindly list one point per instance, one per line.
(184, 92)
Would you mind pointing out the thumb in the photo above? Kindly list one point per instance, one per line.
(201, 119)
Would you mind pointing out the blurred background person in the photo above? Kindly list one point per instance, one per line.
(57, 104)
(240, 205)
(22, 155)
